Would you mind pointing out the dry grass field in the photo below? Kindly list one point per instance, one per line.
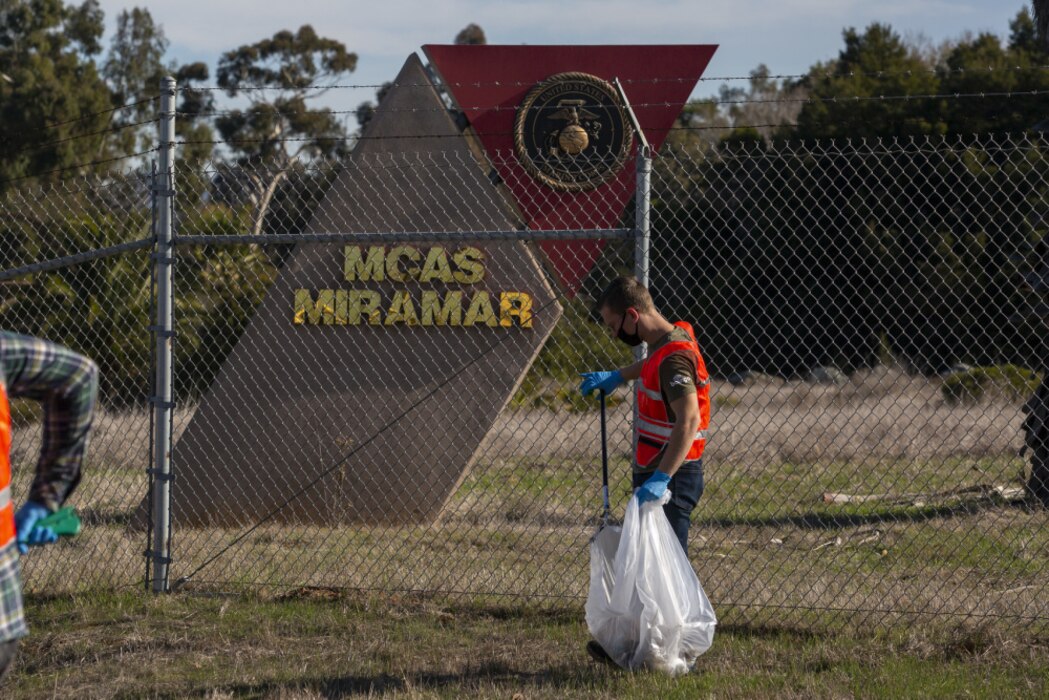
(320, 645)
(933, 585)
(937, 540)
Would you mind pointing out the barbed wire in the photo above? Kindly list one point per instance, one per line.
(410, 137)
(1010, 94)
(332, 139)
(877, 98)
(876, 74)
(112, 130)
(422, 110)
(630, 81)
(78, 165)
(129, 105)
(415, 137)
(779, 148)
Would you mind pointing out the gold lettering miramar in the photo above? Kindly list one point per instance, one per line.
(355, 306)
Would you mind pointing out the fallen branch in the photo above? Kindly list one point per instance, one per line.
(873, 537)
(1006, 493)
(1016, 590)
(1011, 493)
(836, 542)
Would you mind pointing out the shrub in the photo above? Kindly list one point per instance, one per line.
(973, 384)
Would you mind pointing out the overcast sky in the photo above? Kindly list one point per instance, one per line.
(786, 35)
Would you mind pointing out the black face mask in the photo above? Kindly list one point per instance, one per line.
(631, 339)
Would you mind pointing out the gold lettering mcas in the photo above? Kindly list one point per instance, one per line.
(401, 263)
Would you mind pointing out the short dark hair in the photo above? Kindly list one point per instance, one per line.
(624, 293)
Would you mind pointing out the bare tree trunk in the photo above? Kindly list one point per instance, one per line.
(1041, 19)
(264, 201)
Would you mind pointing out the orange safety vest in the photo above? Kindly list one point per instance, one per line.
(653, 421)
(7, 506)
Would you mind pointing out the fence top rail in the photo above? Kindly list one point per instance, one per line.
(75, 259)
(405, 237)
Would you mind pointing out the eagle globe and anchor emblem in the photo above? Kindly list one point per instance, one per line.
(572, 132)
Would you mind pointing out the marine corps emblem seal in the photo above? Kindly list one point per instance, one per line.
(572, 133)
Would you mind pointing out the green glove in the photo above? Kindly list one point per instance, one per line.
(65, 522)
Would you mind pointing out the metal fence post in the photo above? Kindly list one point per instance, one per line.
(162, 404)
(641, 241)
(642, 191)
(641, 221)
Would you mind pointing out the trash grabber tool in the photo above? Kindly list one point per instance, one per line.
(607, 512)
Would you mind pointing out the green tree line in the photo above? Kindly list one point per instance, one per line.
(800, 222)
(75, 112)
(842, 232)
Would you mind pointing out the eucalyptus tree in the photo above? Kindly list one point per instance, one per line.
(280, 79)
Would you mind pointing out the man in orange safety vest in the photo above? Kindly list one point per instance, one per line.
(673, 399)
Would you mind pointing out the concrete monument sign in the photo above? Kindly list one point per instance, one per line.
(407, 352)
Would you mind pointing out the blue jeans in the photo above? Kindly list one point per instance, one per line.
(686, 487)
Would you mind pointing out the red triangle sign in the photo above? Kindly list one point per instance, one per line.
(490, 84)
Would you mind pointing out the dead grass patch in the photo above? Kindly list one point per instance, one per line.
(519, 525)
(333, 647)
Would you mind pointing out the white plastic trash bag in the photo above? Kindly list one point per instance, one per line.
(646, 607)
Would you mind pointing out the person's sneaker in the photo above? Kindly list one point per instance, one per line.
(598, 654)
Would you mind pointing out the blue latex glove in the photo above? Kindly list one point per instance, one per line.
(654, 487)
(603, 381)
(27, 533)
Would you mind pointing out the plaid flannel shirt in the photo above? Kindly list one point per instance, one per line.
(66, 385)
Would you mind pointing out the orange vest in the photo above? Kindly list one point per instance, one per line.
(7, 507)
(653, 422)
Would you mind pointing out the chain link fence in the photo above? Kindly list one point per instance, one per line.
(856, 302)
(77, 270)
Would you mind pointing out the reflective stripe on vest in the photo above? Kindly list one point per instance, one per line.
(7, 508)
(642, 389)
(661, 433)
(652, 421)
